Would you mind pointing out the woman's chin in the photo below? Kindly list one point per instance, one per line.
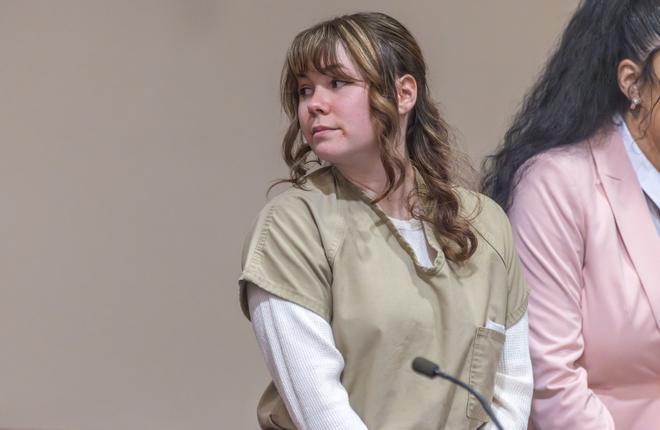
(329, 153)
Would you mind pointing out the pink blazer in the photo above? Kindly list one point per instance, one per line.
(591, 255)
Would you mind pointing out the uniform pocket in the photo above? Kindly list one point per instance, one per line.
(485, 355)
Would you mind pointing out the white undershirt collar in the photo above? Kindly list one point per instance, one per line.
(647, 175)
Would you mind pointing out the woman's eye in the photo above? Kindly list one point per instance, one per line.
(304, 91)
(338, 83)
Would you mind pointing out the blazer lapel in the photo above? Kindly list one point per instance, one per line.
(631, 212)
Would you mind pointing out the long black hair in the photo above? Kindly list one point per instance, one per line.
(577, 93)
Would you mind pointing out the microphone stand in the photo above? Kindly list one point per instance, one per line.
(430, 369)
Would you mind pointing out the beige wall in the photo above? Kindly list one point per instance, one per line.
(137, 139)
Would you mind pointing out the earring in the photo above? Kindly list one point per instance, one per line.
(635, 101)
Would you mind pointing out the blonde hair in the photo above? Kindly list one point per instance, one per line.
(383, 50)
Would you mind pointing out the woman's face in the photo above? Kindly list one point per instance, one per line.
(335, 116)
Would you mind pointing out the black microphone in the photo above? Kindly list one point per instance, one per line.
(430, 369)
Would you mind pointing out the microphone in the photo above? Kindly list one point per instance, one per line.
(430, 369)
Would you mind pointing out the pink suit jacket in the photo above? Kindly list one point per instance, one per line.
(591, 255)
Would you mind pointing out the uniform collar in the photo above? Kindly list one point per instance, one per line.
(429, 231)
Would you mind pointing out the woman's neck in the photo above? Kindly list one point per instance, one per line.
(374, 182)
(644, 140)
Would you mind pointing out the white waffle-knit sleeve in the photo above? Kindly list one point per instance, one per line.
(514, 382)
(304, 362)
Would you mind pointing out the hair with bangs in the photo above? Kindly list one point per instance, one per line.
(383, 50)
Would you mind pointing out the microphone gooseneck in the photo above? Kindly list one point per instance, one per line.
(430, 369)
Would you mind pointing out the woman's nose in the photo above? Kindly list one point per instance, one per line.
(318, 102)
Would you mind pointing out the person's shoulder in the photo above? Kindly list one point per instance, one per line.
(565, 164)
(563, 176)
(292, 244)
(316, 193)
(309, 210)
(477, 206)
(487, 219)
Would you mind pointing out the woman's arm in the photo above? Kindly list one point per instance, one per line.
(305, 365)
(514, 383)
(548, 219)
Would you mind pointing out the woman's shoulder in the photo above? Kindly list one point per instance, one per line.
(292, 244)
(487, 219)
(565, 175)
(477, 206)
(556, 186)
(317, 192)
(564, 164)
(311, 209)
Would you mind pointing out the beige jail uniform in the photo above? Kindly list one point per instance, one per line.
(327, 248)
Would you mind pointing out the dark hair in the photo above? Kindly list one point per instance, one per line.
(383, 49)
(577, 93)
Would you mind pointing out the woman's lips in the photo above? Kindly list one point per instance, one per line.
(322, 131)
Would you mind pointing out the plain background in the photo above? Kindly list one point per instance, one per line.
(137, 141)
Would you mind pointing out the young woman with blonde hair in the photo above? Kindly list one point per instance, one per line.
(377, 256)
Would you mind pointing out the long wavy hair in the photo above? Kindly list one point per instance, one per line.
(577, 93)
(383, 50)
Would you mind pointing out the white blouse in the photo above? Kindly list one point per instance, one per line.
(647, 174)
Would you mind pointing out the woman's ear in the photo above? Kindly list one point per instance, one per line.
(628, 73)
(406, 92)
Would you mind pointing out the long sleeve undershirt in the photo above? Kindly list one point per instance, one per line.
(301, 356)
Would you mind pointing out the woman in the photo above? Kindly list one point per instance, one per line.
(578, 172)
(377, 256)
